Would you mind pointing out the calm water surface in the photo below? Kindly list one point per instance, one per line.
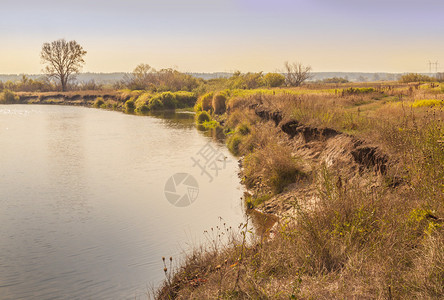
(83, 214)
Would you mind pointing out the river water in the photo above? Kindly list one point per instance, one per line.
(83, 208)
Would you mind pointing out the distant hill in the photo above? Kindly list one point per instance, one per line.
(215, 75)
(102, 78)
(110, 78)
(356, 76)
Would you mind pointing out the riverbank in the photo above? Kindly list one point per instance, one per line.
(357, 181)
(138, 102)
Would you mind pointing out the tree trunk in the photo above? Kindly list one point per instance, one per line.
(63, 82)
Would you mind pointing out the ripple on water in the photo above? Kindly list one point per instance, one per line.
(82, 207)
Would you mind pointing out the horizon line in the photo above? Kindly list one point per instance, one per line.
(226, 72)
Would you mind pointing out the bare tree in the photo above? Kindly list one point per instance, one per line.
(63, 60)
(142, 77)
(145, 77)
(296, 73)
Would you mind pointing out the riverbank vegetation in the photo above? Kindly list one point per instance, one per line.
(356, 177)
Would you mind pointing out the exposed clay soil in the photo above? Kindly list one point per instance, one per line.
(349, 159)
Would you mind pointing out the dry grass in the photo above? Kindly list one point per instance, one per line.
(344, 247)
(218, 104)
(357, 240)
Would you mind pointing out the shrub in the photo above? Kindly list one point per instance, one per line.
(142, 103)
(233, 144)
(202, 117)
(335, 80)
(169, 100)
(428, 103)
(145, 77)
(357, 91)
(99, 102)
(219, 104)
(9, 97)
(213, 124)
(143, 98)
(243, 129)
(204, 102)
(166, 100)
(415, 77)
(274, 79)
(143, 109)
(185, 99)
(245, 81)
(130, 106)
(155, 104)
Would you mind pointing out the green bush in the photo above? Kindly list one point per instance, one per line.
(169, 100)
(204, 102)
(202, 117)
(233, 144)
(274, 79)
(246, 81)
(99, 102)
(130, 106)
(143, 109)
(415, 77)
(143, 99)
(335, 80)
(155, 104)
(185, 99)
(142, 103)
(8, 97)
(207, 125)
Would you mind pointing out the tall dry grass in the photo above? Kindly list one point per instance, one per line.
(354, 240)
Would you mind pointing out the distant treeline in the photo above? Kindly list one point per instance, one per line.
(111, 78)
(145, 77)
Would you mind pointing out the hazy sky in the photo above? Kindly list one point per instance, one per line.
(216, 35)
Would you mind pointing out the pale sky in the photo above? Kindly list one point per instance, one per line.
(216, 35)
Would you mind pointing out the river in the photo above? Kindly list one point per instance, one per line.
(85, 208)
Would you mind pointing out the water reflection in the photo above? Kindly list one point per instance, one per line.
(179, 119)
(82, 206)
(66, 173)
